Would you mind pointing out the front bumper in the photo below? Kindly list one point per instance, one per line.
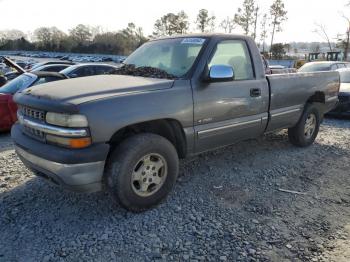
(86, 177)
(77, 170)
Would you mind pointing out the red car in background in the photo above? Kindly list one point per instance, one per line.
(8, 108)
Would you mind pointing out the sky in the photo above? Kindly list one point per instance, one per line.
(113, 15)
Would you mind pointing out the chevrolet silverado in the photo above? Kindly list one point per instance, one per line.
(172, 98)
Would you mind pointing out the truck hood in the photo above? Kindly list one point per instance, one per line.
(81, 90)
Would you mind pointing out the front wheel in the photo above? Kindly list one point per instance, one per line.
(304, 133)
(142, 171)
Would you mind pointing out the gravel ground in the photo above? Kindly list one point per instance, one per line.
(226, 207)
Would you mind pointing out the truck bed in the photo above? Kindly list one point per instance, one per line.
(290, 92)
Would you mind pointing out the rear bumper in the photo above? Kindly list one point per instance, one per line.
(6, 120)
(74, 169)
(343, 105)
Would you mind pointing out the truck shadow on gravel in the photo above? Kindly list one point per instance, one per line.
(227, 204)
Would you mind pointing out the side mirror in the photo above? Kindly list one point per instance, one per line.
(221, 73)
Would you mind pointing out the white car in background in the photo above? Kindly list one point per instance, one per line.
(343, 106)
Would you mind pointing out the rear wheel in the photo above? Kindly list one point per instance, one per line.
(142, 171)
(304, 133)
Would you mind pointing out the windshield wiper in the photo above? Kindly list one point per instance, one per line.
(145, 71)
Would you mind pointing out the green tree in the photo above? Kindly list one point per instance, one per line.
(182, 24)
(12, 34)
(278, 16)
(321, 30)
(245, 16)
(81, 34)
(133, 37)
(255, 23)
(263, 31)
(80, 40)
(228, 25)
(165, 25)
(49, 38)
(43, 36)
(278, 51)
(16, 44)
(171, 24)
(57, 36)
(204, 21)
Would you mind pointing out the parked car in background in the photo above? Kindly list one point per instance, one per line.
(343, 106)
(323, 66)
(51, 63)
(15, 69)
(12, 75)
(279, 69)
(51, 68)
(8, 107)
(21, 64)
(82, 70)
(3, 69)
(276, 69)
(3, 80)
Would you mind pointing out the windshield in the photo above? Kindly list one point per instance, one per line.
(19, 83)
(173, 56)
(315, 68)
(345, 77)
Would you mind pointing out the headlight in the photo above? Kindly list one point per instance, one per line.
(66, 120)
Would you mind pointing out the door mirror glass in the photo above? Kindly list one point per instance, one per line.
(220, 73)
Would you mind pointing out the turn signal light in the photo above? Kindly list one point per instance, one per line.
(80, 142)
(69, 142)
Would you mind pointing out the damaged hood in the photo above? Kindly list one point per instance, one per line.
(81, 90)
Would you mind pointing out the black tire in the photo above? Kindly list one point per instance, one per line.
(121, 166)
(297, 135)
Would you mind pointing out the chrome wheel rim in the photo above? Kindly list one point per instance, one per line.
(310, 126)
(149, 175)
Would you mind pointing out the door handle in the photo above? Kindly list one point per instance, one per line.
(255, 92)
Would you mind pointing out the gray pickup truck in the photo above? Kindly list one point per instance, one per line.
(172, 98)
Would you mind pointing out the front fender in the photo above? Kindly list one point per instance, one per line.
(108, 116)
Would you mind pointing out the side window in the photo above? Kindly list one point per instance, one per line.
(234, 53)
(84, 71)
(102, 70)
(341, 66)
(55, 68)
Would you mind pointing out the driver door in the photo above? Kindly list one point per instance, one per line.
(226, 112)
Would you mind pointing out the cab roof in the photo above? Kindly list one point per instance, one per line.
(203, 35)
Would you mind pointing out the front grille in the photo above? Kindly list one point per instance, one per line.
(36, 134)
(33, 113)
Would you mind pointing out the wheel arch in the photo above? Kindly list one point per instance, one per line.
(317, 97)
(170, 129)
